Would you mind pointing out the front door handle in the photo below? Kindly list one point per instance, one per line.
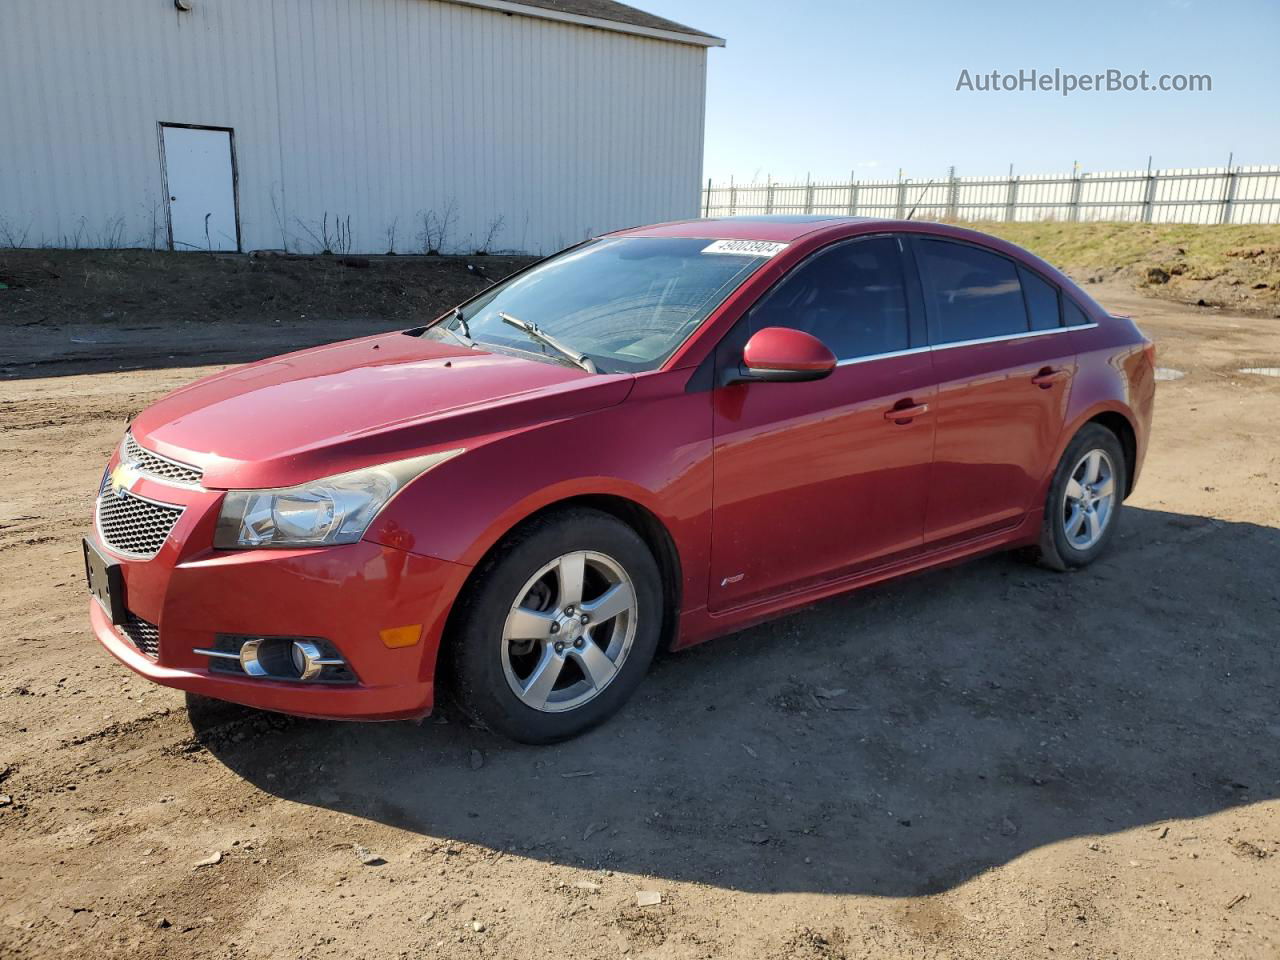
(1047, 377)
(904, 411)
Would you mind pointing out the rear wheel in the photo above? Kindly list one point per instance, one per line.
(1085, 499)
(558, 628)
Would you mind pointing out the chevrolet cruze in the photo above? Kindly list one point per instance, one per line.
(651, 438)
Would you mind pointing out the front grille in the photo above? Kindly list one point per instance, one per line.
(145, 636)
(157, 466)
(132, 525)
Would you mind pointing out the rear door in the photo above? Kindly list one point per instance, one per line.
(813, 480)
(1004, 364)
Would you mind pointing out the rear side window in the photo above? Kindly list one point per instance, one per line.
(1042, 301)
(852, 297)
(973, 294)
(1074, 316)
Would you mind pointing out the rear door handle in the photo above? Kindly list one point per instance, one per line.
(1047, 377)
(907, 413)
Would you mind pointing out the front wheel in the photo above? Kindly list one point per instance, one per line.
(1085, 499)
(559, 627)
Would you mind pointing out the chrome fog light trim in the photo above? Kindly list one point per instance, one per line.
(220, 654)
(277, 658)
(310, 662)
(249, 661)
(313, 660)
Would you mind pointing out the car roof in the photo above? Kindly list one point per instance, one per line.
(784, 228)
(789, 228)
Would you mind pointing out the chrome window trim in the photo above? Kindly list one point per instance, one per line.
(882, 356)
(1025, 335)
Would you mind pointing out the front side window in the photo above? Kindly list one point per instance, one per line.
(626, 303)
(851, 296)
(973, 294)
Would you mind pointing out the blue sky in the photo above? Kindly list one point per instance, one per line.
(823, 86)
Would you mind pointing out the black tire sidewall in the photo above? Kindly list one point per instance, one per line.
(480, 683)
(1055, 547)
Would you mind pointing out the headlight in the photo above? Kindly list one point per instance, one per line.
(321, 513)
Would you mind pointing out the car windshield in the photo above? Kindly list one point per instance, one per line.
(624, 303)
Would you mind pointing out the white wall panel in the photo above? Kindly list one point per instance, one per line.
(376, 110)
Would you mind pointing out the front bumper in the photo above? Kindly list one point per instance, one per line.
(345, 594)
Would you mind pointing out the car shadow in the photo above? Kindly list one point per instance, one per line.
(895, 742)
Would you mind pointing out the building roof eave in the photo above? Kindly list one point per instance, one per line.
(600, 23)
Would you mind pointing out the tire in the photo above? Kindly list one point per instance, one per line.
(1069, 538)
(517, 628)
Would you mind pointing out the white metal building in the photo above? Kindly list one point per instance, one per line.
(266, 124)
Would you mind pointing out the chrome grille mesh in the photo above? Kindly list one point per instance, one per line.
(158, 466)
(145, 636)
(130, 524)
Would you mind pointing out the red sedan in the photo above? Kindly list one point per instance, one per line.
(654, 437)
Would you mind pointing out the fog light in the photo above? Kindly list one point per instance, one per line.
(279, 658)
(309, 661)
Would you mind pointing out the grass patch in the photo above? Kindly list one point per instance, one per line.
(1235, 266)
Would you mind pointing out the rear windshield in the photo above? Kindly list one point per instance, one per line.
(626, 303)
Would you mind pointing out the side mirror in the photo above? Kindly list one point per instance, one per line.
(779, 353)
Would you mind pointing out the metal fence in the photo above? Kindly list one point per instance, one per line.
(1231, 194)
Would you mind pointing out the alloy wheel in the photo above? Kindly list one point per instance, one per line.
(569, 631)
(1089, 500)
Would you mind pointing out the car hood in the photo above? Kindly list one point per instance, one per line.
(347, 405)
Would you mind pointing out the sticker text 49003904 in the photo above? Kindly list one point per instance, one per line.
(746, 248)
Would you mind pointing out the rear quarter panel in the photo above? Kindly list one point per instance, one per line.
(1113, 375)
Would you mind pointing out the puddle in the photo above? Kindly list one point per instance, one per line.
(1168, 373)
(1262, 371)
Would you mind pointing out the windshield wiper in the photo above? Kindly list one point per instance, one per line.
(534, 333)
(462, 321)
(464, 337)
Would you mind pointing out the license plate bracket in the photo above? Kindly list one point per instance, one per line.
(106, 583)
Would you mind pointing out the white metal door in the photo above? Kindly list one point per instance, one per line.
(200, 177)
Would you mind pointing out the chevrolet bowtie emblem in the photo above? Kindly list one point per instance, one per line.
(122, 477)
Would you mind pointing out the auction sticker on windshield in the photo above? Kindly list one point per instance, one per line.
(746, 248)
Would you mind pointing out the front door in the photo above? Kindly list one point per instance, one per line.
(1004, 365)
(815, 480)
(199, 171)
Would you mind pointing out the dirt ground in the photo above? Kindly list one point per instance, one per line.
(988, 761)
(83, 311)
